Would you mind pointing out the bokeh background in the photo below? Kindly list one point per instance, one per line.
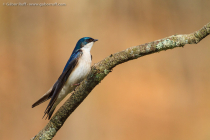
(163, 96)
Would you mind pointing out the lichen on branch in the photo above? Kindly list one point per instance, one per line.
(101, 69)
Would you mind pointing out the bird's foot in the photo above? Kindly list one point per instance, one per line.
(77, 84)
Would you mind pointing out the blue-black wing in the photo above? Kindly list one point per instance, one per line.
(71, 64)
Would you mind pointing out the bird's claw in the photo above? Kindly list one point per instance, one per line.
(77, 84)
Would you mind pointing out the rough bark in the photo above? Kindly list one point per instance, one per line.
(104, 67)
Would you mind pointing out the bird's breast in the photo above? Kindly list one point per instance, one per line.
(81, 70)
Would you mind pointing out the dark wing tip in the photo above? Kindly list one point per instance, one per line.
(44, 98)
(35, 104)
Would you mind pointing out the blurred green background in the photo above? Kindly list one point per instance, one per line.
(163, 96)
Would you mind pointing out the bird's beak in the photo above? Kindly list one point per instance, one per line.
(95, 40)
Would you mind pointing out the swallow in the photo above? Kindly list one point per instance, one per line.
(76, 69)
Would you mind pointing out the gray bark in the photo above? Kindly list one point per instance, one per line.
(101, 69)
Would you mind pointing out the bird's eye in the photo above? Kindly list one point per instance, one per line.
(90, 40)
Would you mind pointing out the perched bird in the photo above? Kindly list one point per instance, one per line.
(77, 68)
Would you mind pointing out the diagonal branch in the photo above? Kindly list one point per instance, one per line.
(102, 69)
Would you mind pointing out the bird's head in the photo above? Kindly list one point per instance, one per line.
(85, 43)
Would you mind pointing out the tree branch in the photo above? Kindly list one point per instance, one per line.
(102, 69)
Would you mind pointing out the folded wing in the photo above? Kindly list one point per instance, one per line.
(55, 90)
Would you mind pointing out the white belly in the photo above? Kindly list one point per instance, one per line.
(78, 74)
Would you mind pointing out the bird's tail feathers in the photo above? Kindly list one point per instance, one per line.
(50, 109)
(49, 113)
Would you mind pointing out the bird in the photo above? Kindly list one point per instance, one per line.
(76, 69)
